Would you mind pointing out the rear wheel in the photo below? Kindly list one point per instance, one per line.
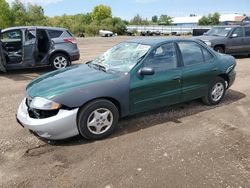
(216, 92)
(98, 119)
(219, 49)
(59, 61)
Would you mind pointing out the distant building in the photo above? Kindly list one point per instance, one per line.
(242, 20)
(231, 19)
(225, 19)
(186, 21)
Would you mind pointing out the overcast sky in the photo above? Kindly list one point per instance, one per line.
(146, 8)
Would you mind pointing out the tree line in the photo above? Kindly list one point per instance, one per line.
(20, 14)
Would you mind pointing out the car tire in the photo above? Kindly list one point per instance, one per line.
(59, 61)
(98, 119)
(216, 92)
(219, 49)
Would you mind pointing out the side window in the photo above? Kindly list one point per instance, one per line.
(247, 31)
(54, 33)
(30, 35)
(238, 31)
(192, 53)
(163, 58)
(12, 36)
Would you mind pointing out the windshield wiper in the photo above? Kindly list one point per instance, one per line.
(100, 67)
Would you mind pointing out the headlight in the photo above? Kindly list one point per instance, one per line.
(230, 68)
(44, 104)
(208, 43)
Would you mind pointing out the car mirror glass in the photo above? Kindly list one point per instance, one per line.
(235, 35)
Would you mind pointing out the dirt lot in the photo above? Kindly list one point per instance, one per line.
(186, 145)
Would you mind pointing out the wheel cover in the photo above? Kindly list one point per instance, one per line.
(217, 92)
(100, 121)
(220, 50)
(60, 62)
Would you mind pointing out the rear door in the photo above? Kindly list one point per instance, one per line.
(29, 46)
(2, 58)
(247, 39)
(198, 71)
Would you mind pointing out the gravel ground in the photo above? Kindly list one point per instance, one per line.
(185, 145)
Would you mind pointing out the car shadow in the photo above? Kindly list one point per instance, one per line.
(241, 56)
(25, 74)
(141, 121)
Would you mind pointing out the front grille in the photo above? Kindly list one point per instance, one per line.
(39, 114)
(42, 114)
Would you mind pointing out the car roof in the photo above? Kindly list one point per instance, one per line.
(157, 41)
(32, 27)
(229, 26)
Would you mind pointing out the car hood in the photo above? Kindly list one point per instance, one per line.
(66, 80)
(208, 38)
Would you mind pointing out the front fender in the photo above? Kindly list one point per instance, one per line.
(117, 89)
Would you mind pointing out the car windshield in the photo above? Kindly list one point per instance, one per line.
(219, 31)
(122, 57)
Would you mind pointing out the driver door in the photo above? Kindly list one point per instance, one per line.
(236, 41)
(30, 46)
(2, 58)
(160, 89)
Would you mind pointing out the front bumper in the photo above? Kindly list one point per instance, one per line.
(61, 126)
(232, 77)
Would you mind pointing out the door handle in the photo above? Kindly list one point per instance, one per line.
(178, 78)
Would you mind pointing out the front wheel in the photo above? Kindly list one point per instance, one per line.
(59, 61)
(216, 92)
(98, 119)
(219, 49)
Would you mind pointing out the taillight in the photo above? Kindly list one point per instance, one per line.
(70, 40)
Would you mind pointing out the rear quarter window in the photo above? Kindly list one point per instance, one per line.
(66, 34)
(70, 34)
(54, 33)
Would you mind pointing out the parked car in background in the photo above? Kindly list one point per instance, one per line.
(105, 33)
(132, 77)
(150, 33)
(233, 40)
(28, 47)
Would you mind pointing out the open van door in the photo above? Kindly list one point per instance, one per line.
(30, 46)
(2, 57)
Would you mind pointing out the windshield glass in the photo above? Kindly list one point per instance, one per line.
(122, 57)
(219, 31)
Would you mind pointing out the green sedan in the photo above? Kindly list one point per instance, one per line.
(132, 77)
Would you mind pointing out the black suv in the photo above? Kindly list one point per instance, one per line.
(26, 47)
(233, 40)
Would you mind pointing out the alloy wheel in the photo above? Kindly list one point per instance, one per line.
(100, 121)
(217, 91)
(60, 62)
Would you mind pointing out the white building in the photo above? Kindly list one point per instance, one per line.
(186, 21)
(193, 20)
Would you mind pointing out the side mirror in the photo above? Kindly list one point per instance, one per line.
(235, 35)
(146, 71)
